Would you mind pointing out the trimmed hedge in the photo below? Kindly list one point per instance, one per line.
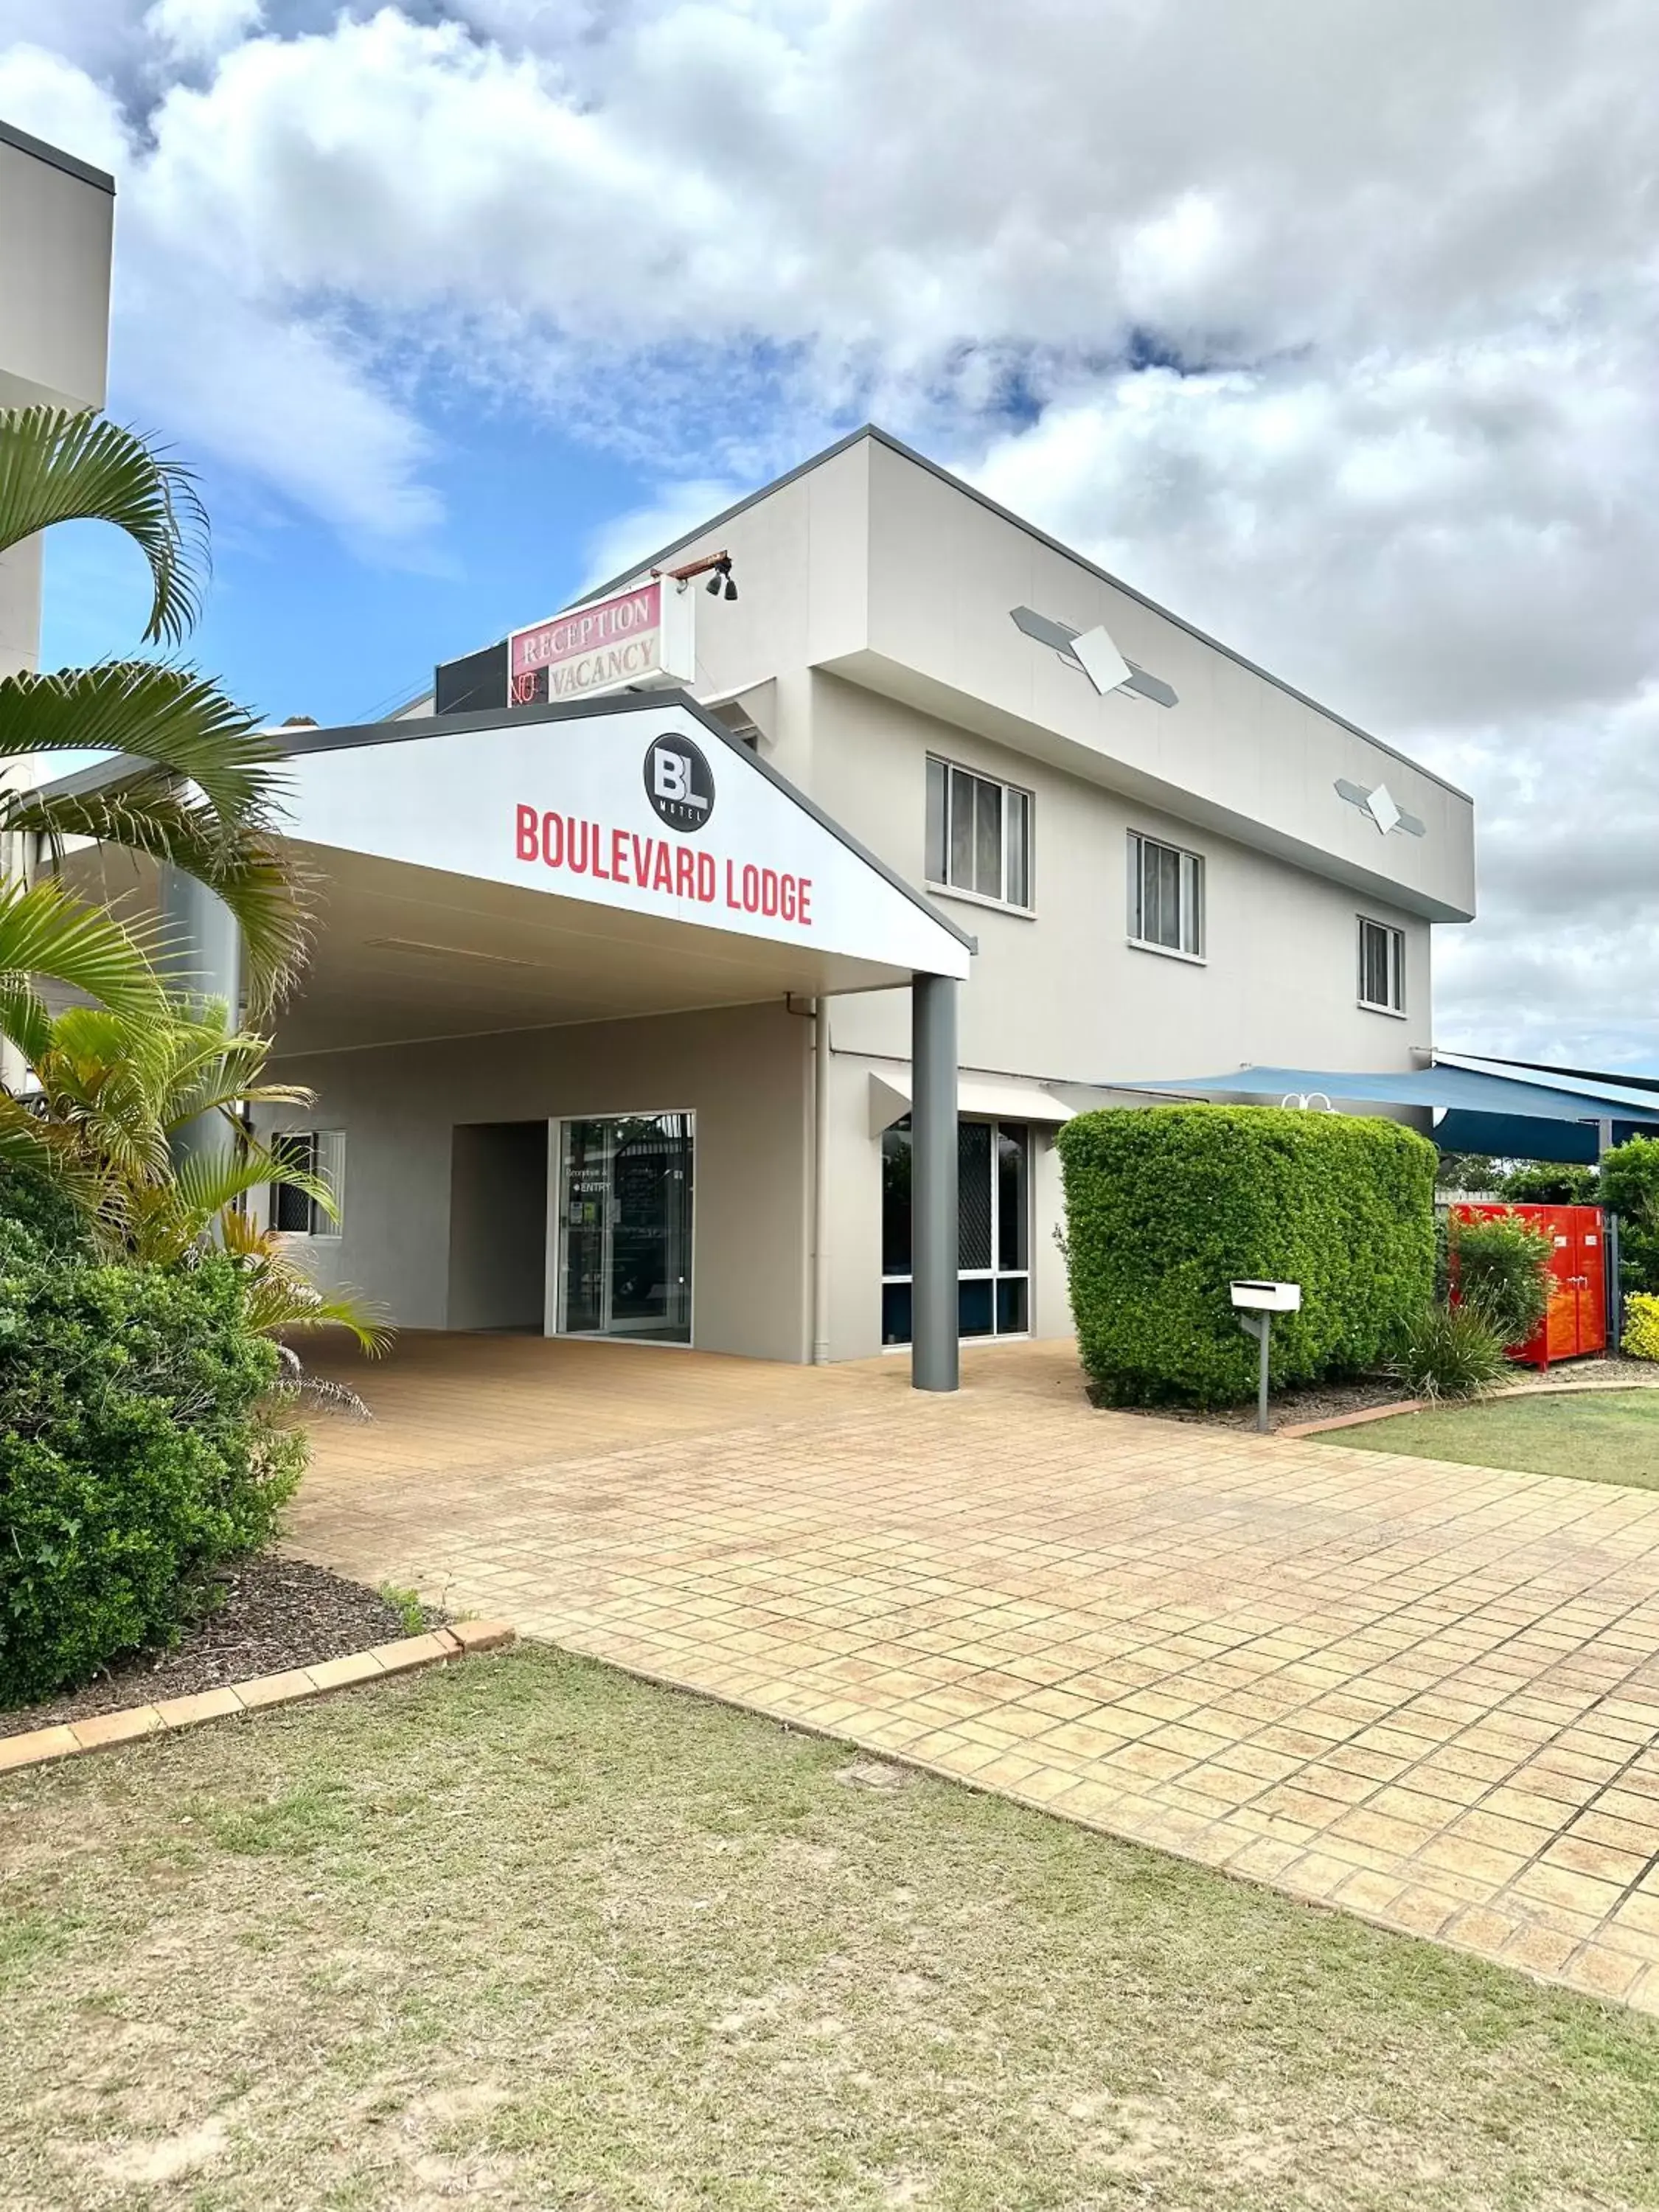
(138, 1454)
(1166, 1205)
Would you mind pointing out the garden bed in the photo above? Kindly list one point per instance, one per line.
(276, 1613)
(1332, 1402)
(1316, 1401)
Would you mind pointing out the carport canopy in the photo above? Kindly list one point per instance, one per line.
(609, 859)
(1473, 1111)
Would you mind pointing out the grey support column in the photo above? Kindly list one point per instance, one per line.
(203, 960)
(933, 1344)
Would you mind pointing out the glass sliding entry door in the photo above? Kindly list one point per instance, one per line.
(625, 1186)
(994, 1207)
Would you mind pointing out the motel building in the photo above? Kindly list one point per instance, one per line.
(713, 962)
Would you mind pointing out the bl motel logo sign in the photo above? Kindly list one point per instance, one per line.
(679, 782)
(679, 787)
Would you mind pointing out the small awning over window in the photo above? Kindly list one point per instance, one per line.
(997, 1098)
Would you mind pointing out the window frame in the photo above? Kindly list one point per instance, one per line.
(1395, 965)
(1192, 889)
(329, 1167)
(1000, 1270)
(941, 774)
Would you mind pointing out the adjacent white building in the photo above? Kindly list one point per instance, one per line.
(560, 1088)
(56, 217)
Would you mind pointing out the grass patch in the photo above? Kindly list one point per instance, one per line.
(532, 1932)
(1609, 1435)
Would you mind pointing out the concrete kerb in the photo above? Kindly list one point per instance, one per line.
(1586, 1389)
(103, 1731)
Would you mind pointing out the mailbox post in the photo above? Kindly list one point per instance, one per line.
(1255, 1304)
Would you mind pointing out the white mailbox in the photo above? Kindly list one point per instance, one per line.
(1268, 1297)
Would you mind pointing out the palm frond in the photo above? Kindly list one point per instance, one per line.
(46, 931)
(60, 466)
(25, 1019)
(173, 718)
(207, 1183)
(280, 1298)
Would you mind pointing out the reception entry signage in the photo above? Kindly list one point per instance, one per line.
(642, 637)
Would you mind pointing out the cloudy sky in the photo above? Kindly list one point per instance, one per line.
(1330, 323)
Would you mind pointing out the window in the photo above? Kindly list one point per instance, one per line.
(979, 834)
(1382, 966)
(1166, 897)
(317, 1152)
(993, 1285)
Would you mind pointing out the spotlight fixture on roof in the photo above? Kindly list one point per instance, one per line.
(717, 567)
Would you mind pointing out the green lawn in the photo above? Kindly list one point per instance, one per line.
(530, 1934)
(1604, 1437)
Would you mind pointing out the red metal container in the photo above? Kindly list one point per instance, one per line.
(1577, 1319)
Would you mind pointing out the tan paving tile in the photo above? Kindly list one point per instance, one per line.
(1422, 1694)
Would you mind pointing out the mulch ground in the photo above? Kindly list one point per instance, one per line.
(274, 1614)
(1322, 1402)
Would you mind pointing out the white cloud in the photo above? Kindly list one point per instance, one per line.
(1334, 327)
(677, 510)
(289, 397)
(198, 30)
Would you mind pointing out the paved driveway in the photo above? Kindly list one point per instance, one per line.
(1428, 1694)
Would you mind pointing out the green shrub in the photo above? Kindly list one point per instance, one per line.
(1165, 1206)
(1451, 1351)
(1501, 1265)
(138, 1452)
(1465, 1171)
(1630, 1188)
(34, 1202)
(1545, 1182)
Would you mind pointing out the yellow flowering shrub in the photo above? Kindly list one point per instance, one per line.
(1641, 1337)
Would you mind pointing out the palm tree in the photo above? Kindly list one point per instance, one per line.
(202, 785)
(110, 1094)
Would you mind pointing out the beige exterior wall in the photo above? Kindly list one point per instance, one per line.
(744, 1074)
(873, 627)
(875, 607)
(1060, 994)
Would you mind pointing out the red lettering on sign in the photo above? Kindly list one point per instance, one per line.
(655, 864)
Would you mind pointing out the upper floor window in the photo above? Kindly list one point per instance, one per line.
(319, 1153)
(1166, 896)
(1382, 966)
(979, 834)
